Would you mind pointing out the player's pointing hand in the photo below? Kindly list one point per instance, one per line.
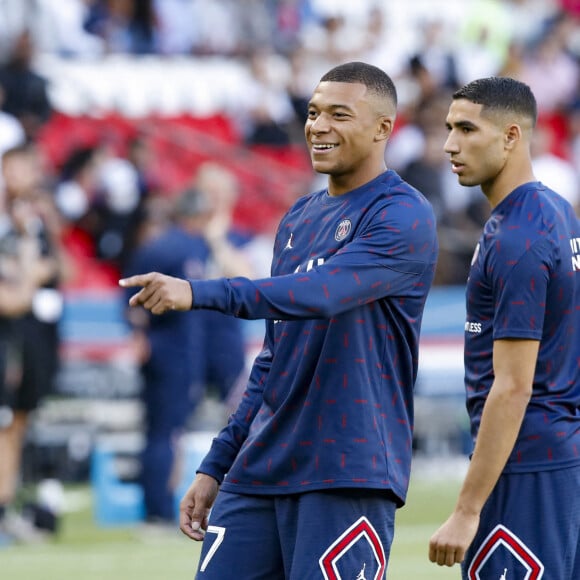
(159, 293)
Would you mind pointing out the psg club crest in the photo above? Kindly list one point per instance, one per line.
(342, 230)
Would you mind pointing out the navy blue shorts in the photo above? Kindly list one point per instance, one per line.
(529, 529)
(318, 535)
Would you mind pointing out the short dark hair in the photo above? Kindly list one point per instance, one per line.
(501, 94)
(375, 79)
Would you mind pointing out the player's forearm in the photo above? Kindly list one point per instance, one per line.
(320, 293)
(500, 424)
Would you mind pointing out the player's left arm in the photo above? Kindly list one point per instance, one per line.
(514, 363)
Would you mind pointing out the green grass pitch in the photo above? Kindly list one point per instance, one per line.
(82, 550)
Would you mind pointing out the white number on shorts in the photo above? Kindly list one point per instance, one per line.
(216, 544)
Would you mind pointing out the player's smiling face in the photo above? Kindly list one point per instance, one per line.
(341, 132)
(475, 144)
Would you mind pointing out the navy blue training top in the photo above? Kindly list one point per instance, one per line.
(329, 402)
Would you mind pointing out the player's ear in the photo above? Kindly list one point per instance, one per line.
(512, 135)
(384, 127)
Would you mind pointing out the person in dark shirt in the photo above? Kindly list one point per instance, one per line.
(317, 457)
(518, 511)
(179, 353)
(25, 91)
(32, 265)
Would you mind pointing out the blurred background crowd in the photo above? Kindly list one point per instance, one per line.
(168, 135)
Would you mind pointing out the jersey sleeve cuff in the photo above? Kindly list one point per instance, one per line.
(218, 460)
(210, 294)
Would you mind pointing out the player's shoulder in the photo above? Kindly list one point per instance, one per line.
(536, 210)
(397, 195)
(532, 216)
(399, 189)
(558, 208)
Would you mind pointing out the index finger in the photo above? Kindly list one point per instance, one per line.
(138, 280)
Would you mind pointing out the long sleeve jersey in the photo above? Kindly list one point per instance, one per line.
(329, 401)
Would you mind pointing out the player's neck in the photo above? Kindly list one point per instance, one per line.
(509, 179)
(341, 184)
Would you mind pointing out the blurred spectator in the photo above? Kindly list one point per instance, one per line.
(221, 188)
(435, 55)
(216, 27)
(155, 216)
(422, 86)
(141, 156)
(301, 79)
(212, 27)
(424, 114)
(79, 198)
(101, 195)
(476, 58)
(552, 170)
(11, 130)
(332, 40)
(167, 348)
(513, 62)
(183, 356)
(381, 46)
(151, 212)
(175, 31)
(288, 18)
(427, 170)
(15, 16)
(75, 194)
(527, 18)
(223, 357)
(33, 236)
(126, 26)
(257, 25)
(265, 108)
(117, 208)
(457, 208)
(59, 28)
(571, 7)
(549, 68)
(486, 27)
(574, 138)
(25, 92)
(458, 236)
